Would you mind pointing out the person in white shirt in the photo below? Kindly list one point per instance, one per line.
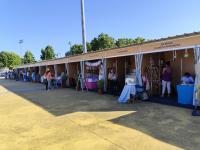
(187, 79)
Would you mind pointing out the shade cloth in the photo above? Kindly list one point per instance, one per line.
(185, 94)
(105, 73)
(82, 74)
(138, 63)
(127, 91)
(197, 78)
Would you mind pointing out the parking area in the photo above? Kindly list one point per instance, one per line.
(32, 118)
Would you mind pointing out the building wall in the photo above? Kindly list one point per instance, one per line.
(73, 69)
(42, 70)
(60, 68)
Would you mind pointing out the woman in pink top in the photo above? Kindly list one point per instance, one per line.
(48, 77)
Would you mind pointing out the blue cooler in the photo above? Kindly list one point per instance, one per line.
(185, 94)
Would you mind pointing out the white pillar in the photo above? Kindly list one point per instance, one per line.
(67, 72)
(40, 70)
(56, 71)
(105, 74)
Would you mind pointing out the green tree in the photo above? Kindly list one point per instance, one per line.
(124, 42)
(9, 59)
(77, 49)
(127, 41)
(28, 57)
(139, 40)
(104, 41)
(47, 53)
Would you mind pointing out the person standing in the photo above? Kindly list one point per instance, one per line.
(112, 81)
(33, 76)
(166, 79)
(48, 80)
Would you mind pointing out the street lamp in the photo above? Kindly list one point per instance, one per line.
(83, 27)
(20, 47)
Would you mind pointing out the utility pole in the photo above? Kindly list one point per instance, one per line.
(83, 26)
(20, 47)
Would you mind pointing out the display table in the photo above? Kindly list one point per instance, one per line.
(91, 84)
(185, 94)
(127, 91)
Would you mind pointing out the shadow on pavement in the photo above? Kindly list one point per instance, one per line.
(166, 123)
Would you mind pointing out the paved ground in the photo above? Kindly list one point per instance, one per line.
(31, 118)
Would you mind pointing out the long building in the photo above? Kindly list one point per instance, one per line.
(182, 51)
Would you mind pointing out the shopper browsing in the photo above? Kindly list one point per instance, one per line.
(166, 79)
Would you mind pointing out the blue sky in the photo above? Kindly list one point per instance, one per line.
(56, 22)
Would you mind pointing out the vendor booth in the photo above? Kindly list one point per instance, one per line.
(74, 71)
(181, 61)
(92, 71)
(122, 68)
(61, 79)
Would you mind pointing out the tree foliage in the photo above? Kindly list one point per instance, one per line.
(124, 42)
(9, 59)
(77, 49)
(103, 41)
(127, 41)
(28, 57)
(47, 53)
(139, 40)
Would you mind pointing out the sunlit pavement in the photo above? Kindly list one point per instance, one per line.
(32, 118)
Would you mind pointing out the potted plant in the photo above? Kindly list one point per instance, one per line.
(100, 85)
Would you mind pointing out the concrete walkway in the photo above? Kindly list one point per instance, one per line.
(34, 119)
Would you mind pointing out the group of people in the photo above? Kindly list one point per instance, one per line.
(52, 81)
(28, 76)
(166, 80)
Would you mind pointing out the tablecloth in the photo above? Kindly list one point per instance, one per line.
(127, 91)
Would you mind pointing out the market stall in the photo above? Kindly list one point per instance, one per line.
(119, 69)
(93, 73)
(61, 78)
(74, 71)
(181, 61)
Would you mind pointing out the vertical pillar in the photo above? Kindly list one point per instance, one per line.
(40, 70)
(56, 70)
(67, 72)
(105, 74)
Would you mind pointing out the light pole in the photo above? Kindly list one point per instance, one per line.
(70, 45)
(20, 47)
(83, 27)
